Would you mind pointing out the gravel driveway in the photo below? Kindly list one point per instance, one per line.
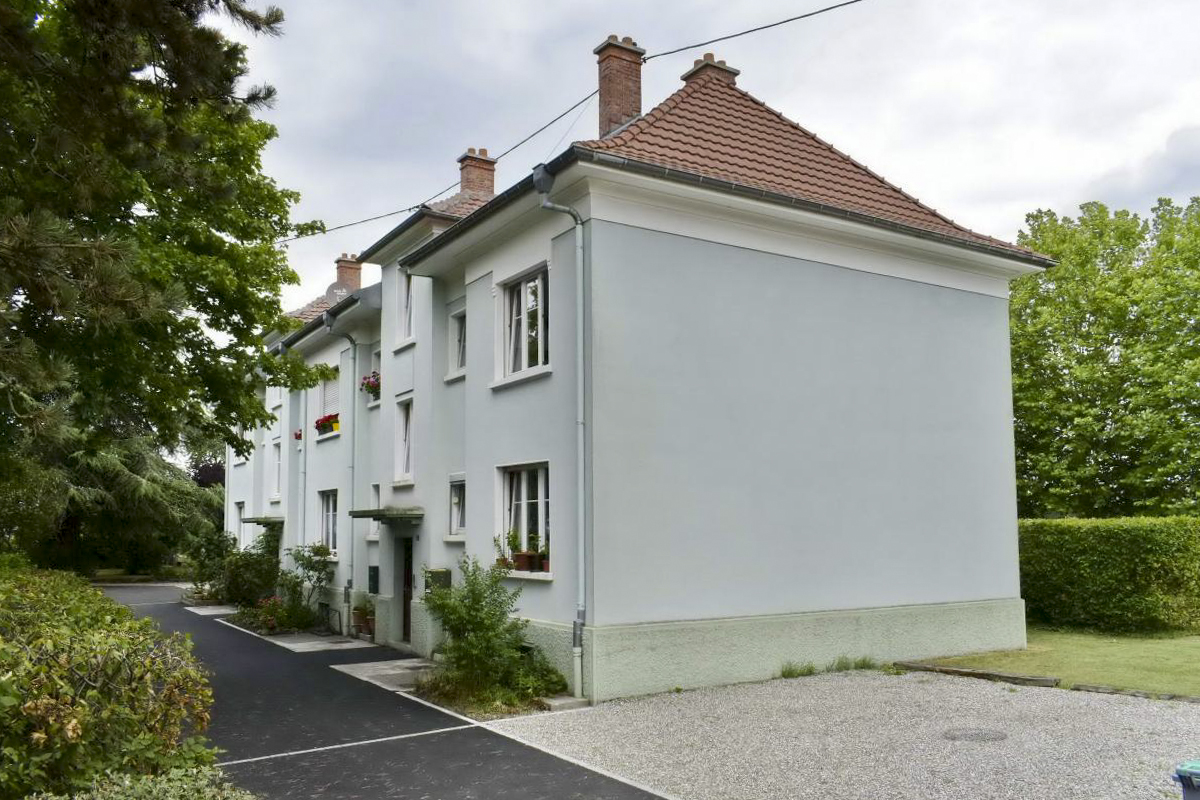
(872, 735)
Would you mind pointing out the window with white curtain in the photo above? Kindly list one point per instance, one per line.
(527, 502)
(329, 512)
(458, 508)
(527, 318)
(403, 450)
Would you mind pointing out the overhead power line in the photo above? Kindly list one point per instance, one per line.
(571, 108)
(750, 30)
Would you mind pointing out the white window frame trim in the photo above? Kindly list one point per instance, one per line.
(403, 478)
(502, 375)
(406, 329)
(501, 494)
(455, 325)
(325, 518)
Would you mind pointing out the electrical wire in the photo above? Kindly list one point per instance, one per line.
(573, 106)
(751, 30)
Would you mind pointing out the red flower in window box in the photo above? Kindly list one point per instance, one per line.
(298, 434)
(327, 424)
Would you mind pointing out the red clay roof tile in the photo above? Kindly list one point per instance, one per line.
(712, 128)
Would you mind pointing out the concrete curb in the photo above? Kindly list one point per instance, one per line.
(1101, 689)
(1045, 681)
(987, 675)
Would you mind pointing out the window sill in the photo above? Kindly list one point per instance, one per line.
(238, 463)
(373, 404)
(405, 345)
(324, 437)
(457, 375)
(519, 575)
(275, 500)
(332, 558)
(520, 377)
(403, 483)
(455, 538)
(373, 536)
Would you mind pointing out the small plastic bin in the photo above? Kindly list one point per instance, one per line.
(1187, 775)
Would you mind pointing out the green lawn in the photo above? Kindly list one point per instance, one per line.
(1127, 662)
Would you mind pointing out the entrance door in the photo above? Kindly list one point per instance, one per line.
(406, 598)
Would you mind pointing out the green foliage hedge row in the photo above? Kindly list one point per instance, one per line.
(205, 783)
(1123, 575)
(85, 688)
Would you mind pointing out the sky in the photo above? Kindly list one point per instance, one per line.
(983, 110)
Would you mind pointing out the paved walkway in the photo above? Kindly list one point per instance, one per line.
(293, 727)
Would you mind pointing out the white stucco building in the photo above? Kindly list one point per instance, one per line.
(756, 399)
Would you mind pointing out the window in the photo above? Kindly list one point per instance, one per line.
(376, 361)
(458, 508)
(404, 460)
(405, 306)
(277, 468)
(329, 518)
(458, 342)
(330, 395)
(527, 504)
(375, 524)
(526, 323)
(241, 512)
(274, 396)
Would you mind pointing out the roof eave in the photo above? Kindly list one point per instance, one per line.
(424, 212)
(683, 176)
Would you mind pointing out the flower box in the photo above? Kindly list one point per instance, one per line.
(327, 424)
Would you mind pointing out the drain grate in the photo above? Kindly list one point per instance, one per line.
(974, 735)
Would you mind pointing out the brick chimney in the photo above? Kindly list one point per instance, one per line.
(620, 82)
(709, 66)
(349, 272)
(478, 172)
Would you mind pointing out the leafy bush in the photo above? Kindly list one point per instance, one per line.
(208, 552)
(313, 572)
(486, 659)
(204, 783)
(275, 614)
(86, 689)
(1123, 575)
(250, 575)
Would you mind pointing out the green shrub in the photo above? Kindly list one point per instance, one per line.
(85, 688)
(205, 783)
(793, 669)
(486, 659)
(312, 574)
(208, 551)
(1131, 574)
(251, 575)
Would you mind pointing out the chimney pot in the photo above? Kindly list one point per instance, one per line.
(620, 73)
(477, 172)
(710, 66)
(349, 272)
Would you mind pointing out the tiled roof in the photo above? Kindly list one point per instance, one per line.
(714, 129)
(311, 310)
(460, 204)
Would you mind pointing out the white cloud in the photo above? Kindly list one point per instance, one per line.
(983, 110)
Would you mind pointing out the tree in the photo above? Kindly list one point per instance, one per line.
(138, 260)
(1106, 364)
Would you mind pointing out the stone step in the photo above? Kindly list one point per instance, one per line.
(563, 702)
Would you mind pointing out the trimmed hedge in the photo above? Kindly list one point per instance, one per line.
(1125, 575)
(86, 689)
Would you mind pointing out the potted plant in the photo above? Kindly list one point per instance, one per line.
(358, 616)
(519, 557)
(369, 608)
(370, 385)
(535, 555)
(501, 557)
(546, 556)
(298, 434)
(327, 424)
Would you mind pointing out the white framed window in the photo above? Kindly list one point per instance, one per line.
(274, 396)
(375, 500)
(330, 395)
(240, 507)
(458, 508)
(458, 342)
(329, 514)
(404, 306)
(376, 361)
(276, 468)
(527, 503)
(526, 324)
(403, 451)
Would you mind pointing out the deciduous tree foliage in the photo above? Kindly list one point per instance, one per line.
(1106, 364)
(138, 264)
